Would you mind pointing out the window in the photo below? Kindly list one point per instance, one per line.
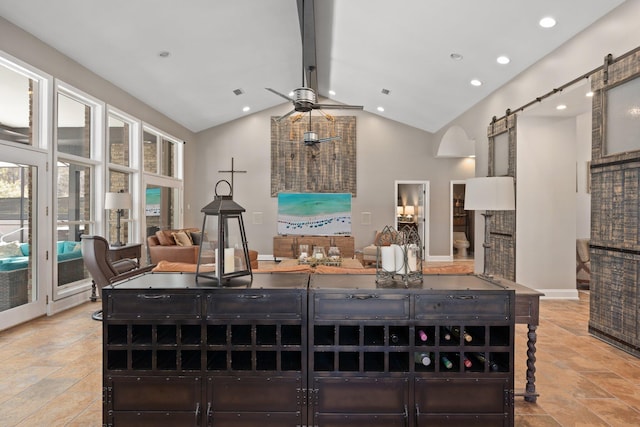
(161, 154)
(119, 182)
(150, 152)
(73, 200)
(622, 125)
(74, 127)
(119, 141)
(169, 158)
(19, 104)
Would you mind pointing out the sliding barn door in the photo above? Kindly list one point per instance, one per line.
(615, 206)
(501, 226)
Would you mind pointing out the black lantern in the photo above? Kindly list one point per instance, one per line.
(224, 241)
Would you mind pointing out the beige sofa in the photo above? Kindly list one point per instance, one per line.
(171, 246)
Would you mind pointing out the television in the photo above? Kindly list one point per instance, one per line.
(320, 214)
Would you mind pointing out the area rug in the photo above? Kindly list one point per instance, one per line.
(458, 267)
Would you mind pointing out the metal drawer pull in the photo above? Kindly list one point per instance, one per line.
(198, 414)
(464, 297)
(362, 297)
(145, 296)
(252, 296)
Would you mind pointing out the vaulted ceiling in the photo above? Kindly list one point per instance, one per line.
(186, 58)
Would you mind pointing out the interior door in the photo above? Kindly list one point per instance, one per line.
(24, 239)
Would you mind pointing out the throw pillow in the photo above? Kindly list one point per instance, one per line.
(182, 238)
(165, 238)
(11, 249)
(196, 237)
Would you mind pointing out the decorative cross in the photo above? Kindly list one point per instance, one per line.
(232, 171)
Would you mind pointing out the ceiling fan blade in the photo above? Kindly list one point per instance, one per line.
(279, 119)
(279, 94)
(333, 138)
(336, 107)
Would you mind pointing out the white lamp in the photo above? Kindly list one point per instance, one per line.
(492, 193)
(119, 201)
(409, 211)
(399, 210)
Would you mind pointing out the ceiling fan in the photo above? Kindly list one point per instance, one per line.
(310, 138)
(304, 98)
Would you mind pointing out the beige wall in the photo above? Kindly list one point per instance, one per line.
(386, 151)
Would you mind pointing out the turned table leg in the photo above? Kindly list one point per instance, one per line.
(530, 394)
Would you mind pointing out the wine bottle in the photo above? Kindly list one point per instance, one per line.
(422, 359)
(422, 335)
(467, 362)
(446, 362)
(492, 365)
(393, 338)
(456, 333)
(445, 333)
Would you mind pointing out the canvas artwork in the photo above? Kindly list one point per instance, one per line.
(320, 214)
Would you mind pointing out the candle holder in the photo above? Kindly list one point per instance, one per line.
(399, 256)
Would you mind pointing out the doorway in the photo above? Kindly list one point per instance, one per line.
(461, 238)
(412, 209)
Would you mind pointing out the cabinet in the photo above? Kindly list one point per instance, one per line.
(178, 353)
(288, 246)
(366, 345)
(294, 350)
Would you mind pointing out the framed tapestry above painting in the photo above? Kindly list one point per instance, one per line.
(326, 167)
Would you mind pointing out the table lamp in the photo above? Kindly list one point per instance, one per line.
(118, 201)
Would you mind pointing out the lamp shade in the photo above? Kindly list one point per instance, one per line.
(399, 210)
(493, 193)
(409, 210)
(117, 201)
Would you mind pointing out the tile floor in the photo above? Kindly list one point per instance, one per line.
(50, 372)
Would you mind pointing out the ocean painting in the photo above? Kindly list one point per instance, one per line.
(320, 214)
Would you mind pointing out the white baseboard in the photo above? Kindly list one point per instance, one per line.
(570, 294)
(439, 258)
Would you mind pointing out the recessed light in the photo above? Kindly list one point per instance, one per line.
(561, 107)
(456, 56)
(547, 22)
(332, 92)
(589, 94)
(245, 109)
(164, 54)
(381, 109)
(503, 60)
(475, 82)
(291, 94)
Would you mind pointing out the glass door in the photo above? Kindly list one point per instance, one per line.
(23, 237)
